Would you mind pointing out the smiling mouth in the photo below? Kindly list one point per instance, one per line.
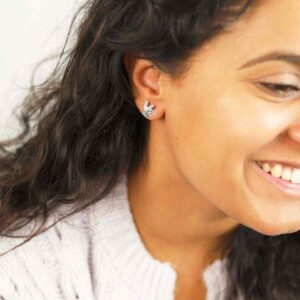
(287, 187)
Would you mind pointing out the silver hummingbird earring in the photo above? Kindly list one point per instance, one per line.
(148, 109)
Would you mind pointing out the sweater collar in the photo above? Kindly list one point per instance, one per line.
(114, 227)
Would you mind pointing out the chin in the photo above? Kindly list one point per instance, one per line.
(273, 229)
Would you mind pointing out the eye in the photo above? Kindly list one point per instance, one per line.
(284, 90)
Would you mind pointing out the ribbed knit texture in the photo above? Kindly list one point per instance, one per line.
(96, 254)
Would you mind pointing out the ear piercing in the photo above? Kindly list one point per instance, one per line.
(148, 109)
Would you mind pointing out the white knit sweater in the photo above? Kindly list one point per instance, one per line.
(94, 254)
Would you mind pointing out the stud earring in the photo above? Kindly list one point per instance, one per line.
(148, 109)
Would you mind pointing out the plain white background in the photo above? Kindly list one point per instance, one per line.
(30, 30)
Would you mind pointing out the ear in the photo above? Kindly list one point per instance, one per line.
(145, 82)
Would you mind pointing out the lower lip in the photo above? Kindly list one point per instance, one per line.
(289, 188)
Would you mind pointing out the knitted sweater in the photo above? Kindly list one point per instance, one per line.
(95, 254)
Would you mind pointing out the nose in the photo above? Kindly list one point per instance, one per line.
(294, 132)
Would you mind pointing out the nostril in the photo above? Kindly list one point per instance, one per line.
(294, 132)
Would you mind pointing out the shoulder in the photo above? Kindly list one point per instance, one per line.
(55, 230)
(64, 229)
(61, 260)
(41, 264)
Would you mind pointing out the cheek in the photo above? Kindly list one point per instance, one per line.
(212, 134)
(208, 144)
(214, 139)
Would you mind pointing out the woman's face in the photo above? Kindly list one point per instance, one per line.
(221, 117)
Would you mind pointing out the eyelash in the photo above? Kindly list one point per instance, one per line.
(280, 88)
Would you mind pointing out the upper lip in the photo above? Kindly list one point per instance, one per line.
(292, 164)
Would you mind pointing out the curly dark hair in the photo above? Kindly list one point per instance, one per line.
(82, 129)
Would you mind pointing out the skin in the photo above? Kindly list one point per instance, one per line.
(208, 128)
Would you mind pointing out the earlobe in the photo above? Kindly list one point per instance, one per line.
(148, 109)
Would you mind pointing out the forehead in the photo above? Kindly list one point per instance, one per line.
(268, 26)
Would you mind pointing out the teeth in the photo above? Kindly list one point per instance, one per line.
(286, 173)
(276, 171)
(266, 167)
(296, 176)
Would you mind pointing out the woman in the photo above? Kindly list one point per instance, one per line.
(161, 158)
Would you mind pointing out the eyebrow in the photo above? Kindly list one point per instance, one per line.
(288, 57)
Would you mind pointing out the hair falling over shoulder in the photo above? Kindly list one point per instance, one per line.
(82, 129)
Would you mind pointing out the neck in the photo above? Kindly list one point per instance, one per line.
(177, 224)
